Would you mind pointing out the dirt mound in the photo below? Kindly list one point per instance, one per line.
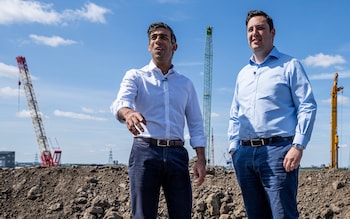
(103, 192)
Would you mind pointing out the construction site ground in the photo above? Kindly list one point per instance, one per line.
(92, 192)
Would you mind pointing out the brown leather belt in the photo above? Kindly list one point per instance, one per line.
(256, 142)
(160, 142)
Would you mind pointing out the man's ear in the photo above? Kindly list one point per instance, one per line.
(174, 47)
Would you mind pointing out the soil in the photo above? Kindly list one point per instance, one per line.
(92, 192)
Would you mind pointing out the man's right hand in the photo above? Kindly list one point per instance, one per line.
(133, 120)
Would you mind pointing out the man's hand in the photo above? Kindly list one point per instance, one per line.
(133, 120)
(292, 159)
(199, 168)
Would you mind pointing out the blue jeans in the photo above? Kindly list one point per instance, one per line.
(153, 167)
(268, 190)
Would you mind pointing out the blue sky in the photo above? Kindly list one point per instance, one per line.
(78, 51)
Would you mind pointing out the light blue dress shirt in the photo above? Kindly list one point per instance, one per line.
(273, 98)
(166, 102)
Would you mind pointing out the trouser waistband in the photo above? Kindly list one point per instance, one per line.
(160, 142)
(256, 142)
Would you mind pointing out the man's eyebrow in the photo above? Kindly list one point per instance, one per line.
(159, 34)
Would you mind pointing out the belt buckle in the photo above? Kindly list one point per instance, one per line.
(163, 142)
(256, 142)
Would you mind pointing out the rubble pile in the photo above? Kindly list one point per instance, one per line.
(103, 192)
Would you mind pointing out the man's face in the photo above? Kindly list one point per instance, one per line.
(160, 45)
(260, 37)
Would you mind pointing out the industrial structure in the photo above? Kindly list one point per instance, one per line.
(47, 158)
(7, 159)
(334, 135)
(207, 95)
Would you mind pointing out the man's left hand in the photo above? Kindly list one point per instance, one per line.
(199, 168)
(292, 159)
(199, 171)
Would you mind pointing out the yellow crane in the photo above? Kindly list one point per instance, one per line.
(334, 135)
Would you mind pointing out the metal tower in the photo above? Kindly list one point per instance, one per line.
(46, 157)
(208, 69)
(110, 157)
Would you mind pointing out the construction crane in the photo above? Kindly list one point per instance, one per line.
(212, 147)
(334, 135)
(48, 159)
(208, 69)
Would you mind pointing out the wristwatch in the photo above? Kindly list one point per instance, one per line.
(298, 147)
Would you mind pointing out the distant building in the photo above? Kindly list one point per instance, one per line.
(7, 159)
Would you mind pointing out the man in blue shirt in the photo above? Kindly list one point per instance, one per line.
(155, 102)
(271, 120)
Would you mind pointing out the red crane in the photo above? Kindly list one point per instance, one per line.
(47, 158)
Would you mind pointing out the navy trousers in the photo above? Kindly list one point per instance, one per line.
(152, 168)
(268, 190)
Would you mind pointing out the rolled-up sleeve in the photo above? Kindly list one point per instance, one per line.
(126, 95)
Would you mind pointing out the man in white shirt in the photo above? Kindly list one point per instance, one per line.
(154, 102)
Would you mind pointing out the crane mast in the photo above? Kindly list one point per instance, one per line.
(208, 68)
(46, 156)
(334, 135)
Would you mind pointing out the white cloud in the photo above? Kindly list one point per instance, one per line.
(90, 12)
(8, 91)
(26, 114)
(8, 71)
(87, 110)
(20, 11)
(11, 72)
(31, 11)
(53, 41)
(341, 100)
(327, 76)
(322, 60)
(343, 145)
(23, 114)
(77, 116)
(322, 76)
(92, 111)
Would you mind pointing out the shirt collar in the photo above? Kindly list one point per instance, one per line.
(273, 54)
(153, 67)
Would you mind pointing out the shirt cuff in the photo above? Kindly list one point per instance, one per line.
(117, 105)
(198, 141)
(233, 146)
(300, 139)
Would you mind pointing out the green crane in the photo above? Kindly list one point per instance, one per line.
(208, 72)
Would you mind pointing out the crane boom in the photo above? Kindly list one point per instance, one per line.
(334, 135)
(46, 157)
(208, 66)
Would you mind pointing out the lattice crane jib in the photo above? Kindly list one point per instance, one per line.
(207, 95)
(44, 148)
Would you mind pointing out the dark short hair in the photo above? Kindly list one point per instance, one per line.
(254, 13)
(152, 27)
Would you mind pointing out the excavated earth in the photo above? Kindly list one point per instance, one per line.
(92, 192)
